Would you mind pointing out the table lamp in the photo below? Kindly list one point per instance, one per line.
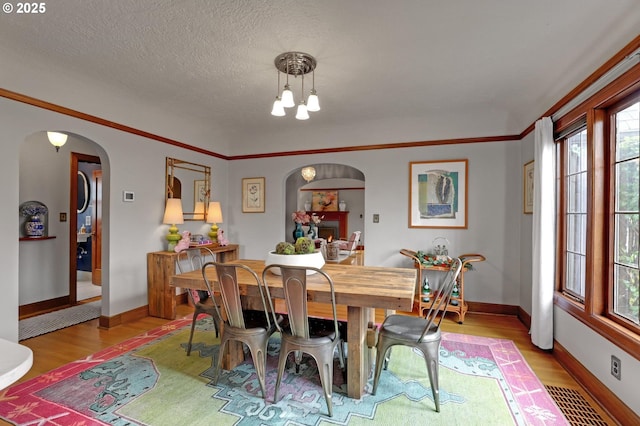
(172, 216)
(214, 216)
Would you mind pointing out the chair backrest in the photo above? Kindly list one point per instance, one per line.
(294, 287)
(192, 259)
(442, 299)
(227, 274)
(352, 243)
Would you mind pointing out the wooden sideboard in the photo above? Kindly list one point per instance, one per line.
(160, 266)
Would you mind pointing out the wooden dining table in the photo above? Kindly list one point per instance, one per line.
(360, 288)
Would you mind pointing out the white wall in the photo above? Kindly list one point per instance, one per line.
(130, 230)
(594, 352)
(493, 212)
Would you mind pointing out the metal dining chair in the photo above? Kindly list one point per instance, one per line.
(417, 332)
(251, 327)
(193, 259)
(303, 334)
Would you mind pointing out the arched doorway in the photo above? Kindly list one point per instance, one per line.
(347, 181)
(46, 175)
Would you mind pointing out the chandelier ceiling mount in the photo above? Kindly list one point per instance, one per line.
(295, 64)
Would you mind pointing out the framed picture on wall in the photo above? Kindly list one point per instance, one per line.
(527, 190)
(253, 195)
(438, 194)
(324, 201)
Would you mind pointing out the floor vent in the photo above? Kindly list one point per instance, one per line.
(576, 409)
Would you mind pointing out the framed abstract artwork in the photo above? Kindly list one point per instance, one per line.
(253, 195)
(324, 201)
(527, 188)
(438, 194)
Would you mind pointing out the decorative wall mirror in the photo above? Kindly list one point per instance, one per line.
(192, 184)
(83, 192)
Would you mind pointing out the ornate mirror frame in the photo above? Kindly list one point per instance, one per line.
(191, 183)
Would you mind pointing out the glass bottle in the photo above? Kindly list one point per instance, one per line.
(455, 294)
(426, 290)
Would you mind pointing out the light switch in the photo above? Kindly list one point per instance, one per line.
(376, 218)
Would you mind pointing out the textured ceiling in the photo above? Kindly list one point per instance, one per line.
(506, 61)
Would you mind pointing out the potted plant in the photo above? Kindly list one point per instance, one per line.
(302, 253)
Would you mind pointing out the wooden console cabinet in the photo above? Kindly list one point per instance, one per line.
(160, 266)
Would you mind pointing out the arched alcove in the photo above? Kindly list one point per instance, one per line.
(329, 176)
(46, 175)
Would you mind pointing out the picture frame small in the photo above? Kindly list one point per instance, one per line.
(253, 195)
(527, 187)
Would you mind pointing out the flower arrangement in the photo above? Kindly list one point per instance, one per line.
(32, 209)
(316, 219)
(300, 217)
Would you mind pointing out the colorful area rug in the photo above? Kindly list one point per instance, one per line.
(149, 380)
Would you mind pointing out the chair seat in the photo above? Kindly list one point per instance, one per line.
(407, 328)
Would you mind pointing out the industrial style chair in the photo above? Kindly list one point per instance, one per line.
(421, 333)
(316, 337)
(192, 260)
(251, 327)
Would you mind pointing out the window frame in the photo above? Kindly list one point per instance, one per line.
(594, 312)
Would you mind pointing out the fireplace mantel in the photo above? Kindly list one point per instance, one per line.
(342, 217)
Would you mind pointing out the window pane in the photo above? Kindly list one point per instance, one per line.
(628, 133)
(627, 239)
(576, 232)
(575, 213)
(575, 274)
(626, 288)
(627, 174)
(576, 193)
(577, 153)
(627, 214)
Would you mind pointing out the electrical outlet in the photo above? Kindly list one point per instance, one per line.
(616, 367)
(376, 218)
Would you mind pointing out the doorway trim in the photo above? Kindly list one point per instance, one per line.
(76, 158)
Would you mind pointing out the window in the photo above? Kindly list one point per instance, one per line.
(626, 212)
(598, 269)
(575, 196)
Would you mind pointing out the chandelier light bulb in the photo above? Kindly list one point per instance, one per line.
(278, 109)
(287, 97)
(313, 104)
(302, 113)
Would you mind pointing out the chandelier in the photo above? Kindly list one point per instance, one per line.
(295, 64)
(308, 173)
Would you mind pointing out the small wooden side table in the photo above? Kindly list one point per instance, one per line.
(160, 266)
(461, 307)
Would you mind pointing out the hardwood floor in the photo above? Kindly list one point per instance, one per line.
(63, 346)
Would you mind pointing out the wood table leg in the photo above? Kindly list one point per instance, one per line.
(357, 353)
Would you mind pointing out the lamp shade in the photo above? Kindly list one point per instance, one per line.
(214, 214)
(278, 109)
(173, 212)
(287, 97)
(302, 113)
(57, 139)
(313, 104)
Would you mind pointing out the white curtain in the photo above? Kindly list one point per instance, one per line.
(544, 225)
